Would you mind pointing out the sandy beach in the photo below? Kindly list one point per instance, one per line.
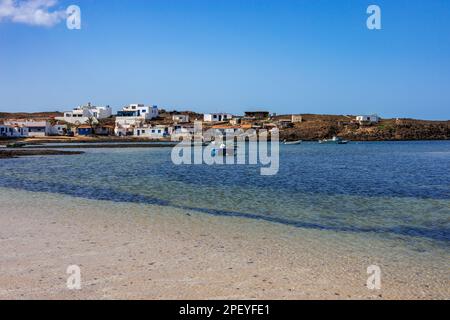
(134, 251)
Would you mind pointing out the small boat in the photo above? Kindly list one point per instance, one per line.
(292, 142)
(334, 140)
(223, 150)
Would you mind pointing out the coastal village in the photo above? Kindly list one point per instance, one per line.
(141, 122)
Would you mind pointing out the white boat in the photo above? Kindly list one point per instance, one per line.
(334, 140)
(292, 142)
(223, 150)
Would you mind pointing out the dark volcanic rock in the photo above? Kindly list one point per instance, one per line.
(22, 153)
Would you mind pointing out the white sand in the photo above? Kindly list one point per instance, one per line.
(131, 251)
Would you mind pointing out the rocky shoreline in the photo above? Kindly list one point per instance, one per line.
(322, 127)
(8, 154)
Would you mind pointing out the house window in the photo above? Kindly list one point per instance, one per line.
(143, 131)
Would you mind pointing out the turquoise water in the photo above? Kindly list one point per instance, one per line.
(398, 190)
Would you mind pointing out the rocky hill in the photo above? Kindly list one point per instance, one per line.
(315, 127)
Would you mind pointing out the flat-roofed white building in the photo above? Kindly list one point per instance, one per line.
(133, 116)
(82, 114)
(180, 118)
(217, 117)
(34, 128)
(13, 131)
(368, 119)
(139, 110)
(58, 129)
(153, 132)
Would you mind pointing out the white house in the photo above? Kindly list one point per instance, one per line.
(133, 116)
(368, 119)
(139, 110)
(217, 117)
(37, 129)
(81, 114)
(153, 132)
(58, 129)
(180, 118)
(34, 128)
(13, 131)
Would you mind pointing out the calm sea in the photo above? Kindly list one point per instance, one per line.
(398, 190)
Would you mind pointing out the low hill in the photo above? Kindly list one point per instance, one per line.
(315, 127)
(33, 115)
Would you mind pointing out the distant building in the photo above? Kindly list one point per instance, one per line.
(139, 110)
(133, 116)
(57, 129)
(257, 115)
(180, 118)
(84, 130)
(296, 118)
(180, 131)
(101, 130)
(236, 121)
(33, 128)
(153, 132)
(13, 131)
(82, 114)
(104, 130)
(38, 129)
(367, 119)
(217, 117)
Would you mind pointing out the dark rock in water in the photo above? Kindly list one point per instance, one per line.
(5, 154)
(16, 145)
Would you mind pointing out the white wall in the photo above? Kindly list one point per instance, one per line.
(180, 118)
(147, 113)
(217, 117)
(152, 132)
(13, 132)
(81, 115)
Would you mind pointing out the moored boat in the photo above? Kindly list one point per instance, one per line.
(334, 140)
(292, 142)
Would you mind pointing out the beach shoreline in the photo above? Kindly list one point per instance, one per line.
(137, 251)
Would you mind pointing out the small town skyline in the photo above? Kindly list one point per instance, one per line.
(240, 111)
(141, 121)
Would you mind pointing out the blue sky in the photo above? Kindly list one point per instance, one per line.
(304, 56)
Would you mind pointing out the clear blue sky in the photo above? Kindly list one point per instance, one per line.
(304, 56)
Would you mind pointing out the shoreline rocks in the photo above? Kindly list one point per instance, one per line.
(8, 153)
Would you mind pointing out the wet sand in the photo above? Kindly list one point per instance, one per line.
(133, 251)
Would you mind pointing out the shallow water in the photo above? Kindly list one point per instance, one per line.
(395, 190)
